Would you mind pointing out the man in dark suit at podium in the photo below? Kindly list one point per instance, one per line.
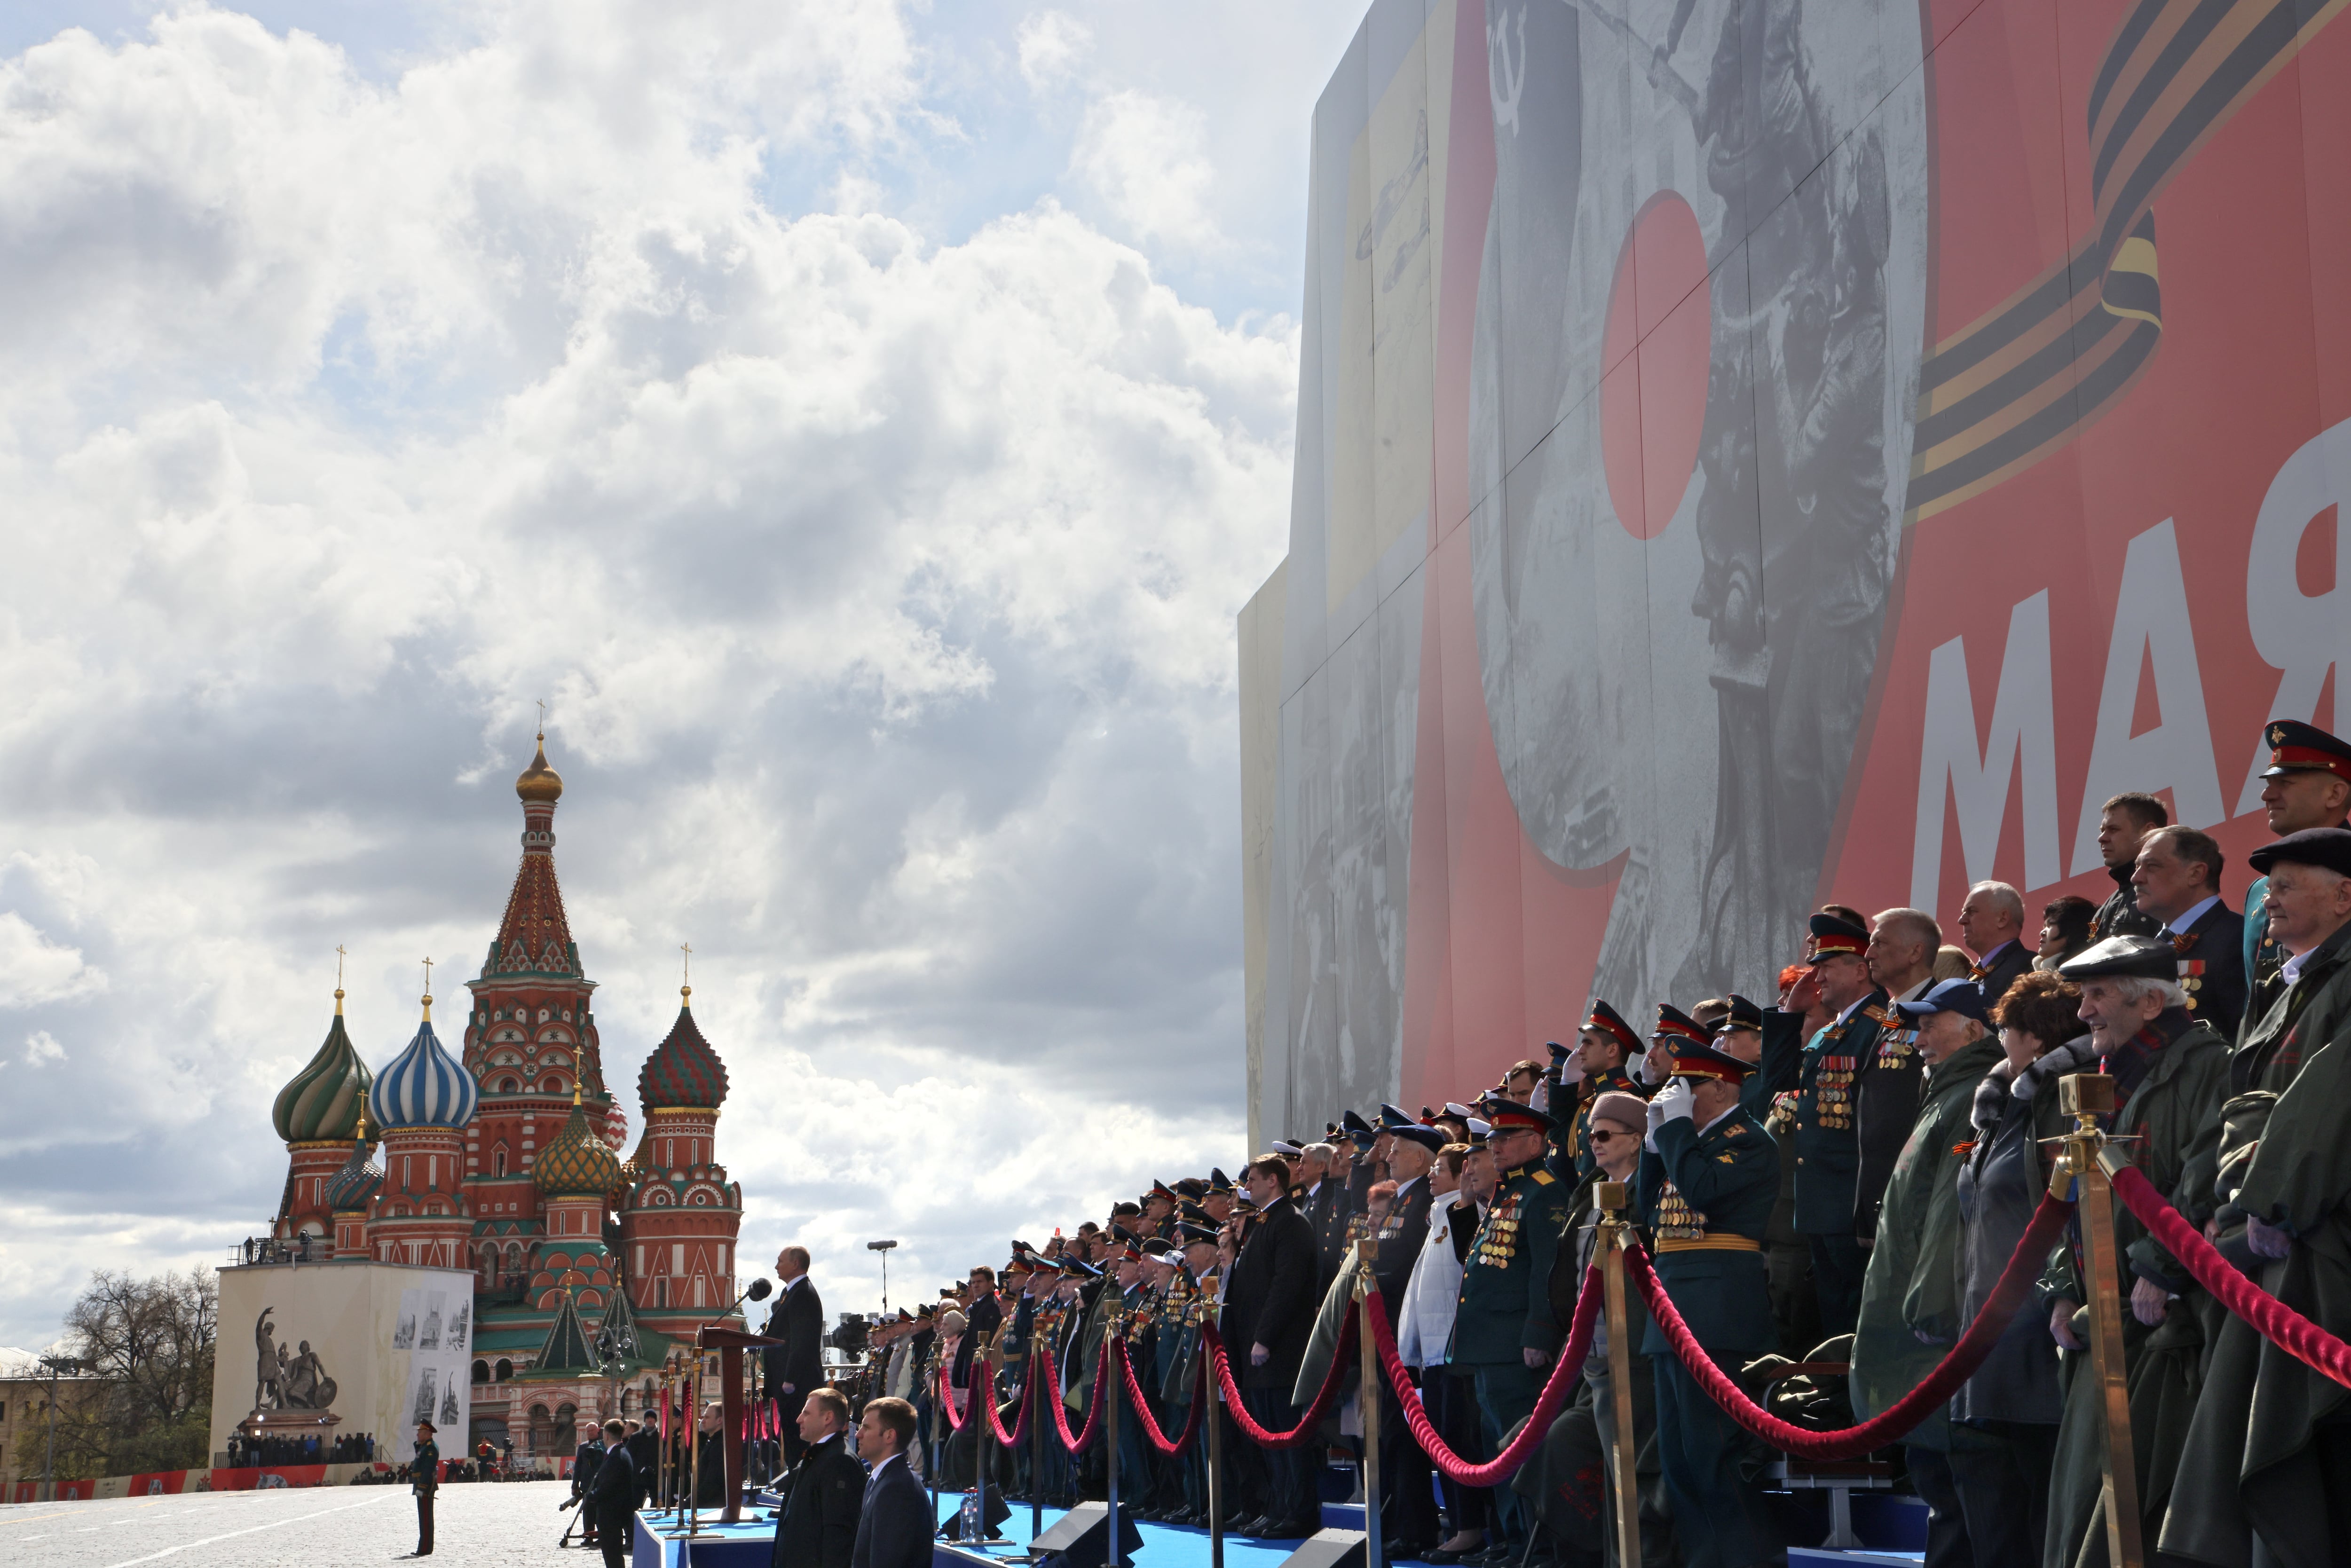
(611, 1497)
(797, 1365)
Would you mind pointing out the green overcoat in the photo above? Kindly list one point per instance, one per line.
(1915, 1281)
(2249, 1463)
(2173, 1122)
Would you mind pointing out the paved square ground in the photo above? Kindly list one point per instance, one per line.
(475, 1526)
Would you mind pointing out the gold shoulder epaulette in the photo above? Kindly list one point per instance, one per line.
(1884, 1016)
(1543, 1177)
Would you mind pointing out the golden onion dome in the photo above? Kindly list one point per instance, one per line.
(539, 782)
(576, 1163)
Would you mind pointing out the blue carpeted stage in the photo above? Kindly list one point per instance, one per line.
(661, 1540)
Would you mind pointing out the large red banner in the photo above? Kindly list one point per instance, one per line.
(1755, 454)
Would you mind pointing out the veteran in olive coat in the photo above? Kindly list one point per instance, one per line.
(1709, 1177)
(2269, 1450)
(1911, 1298)
(2170, 1074)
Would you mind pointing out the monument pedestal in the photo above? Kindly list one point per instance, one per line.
(319, 1424)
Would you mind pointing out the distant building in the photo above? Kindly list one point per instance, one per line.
(24, 1392)
(502, 1158)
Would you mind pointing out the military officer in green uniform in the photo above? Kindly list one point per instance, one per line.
(2308, 786)
(1604, 1049)
(1826, 1078)
(1504, 1330)
(1708, 1175)
(424, 1479)
(1739, 1033)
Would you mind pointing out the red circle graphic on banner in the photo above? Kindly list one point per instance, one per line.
(1653, 356)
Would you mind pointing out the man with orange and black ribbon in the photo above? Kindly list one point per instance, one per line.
(1708, 1175)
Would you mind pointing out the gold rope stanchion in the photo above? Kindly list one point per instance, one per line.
(2086, 1096)
(1106, 1364)
(1368, 1397)
(1623, 1454)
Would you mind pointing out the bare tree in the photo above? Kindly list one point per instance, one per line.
(148, 1345)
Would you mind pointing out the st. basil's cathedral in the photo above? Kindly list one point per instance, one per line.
(504, 1159)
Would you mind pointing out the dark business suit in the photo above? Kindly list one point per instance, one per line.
(612, 1503)
(1271, 1302)
(2212, 968)
(584, 1462)
(796, 1319)
(1407, 1498)
(823, 1495)
(894, 1523)
(2001, 968)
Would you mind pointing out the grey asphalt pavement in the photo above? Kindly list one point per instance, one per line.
(475, 1526)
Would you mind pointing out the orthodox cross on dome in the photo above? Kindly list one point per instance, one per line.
(428, 988)
(685, 971)
(340, 956)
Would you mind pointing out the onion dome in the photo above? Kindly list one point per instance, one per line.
(351, 1186)
(683, 1071)
(425, 1086)
(325, 1102)
(576, 1163)
(539, 782)
(616, 1127)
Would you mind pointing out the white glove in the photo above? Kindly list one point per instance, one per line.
(1540, 1099)
(1657, 1115)
(1639, 1068)
(1674, 1102)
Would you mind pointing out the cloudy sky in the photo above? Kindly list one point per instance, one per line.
(858, 423)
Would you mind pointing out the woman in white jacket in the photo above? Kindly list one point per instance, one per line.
(1425, 1330)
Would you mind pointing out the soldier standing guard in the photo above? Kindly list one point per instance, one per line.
(1708, 1175)
(424, 1479)
(1826, 1078)
(1504, 1330)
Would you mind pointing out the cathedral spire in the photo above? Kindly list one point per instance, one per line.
(535, 936)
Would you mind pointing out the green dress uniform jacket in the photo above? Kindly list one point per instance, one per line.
(1915, 1281)
(2175, 1114)
(1704, 1199)
(2250, 1461)
(1505, 1302)
(1827, 1077)
(425, 1469)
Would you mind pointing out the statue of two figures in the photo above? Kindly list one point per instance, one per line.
(284, 1381)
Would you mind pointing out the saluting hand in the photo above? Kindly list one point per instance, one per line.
(1674, 1102)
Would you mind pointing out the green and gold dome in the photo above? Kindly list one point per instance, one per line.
(577, 1164)
(327, 1100)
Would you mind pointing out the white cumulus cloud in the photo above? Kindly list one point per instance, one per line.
(1145, 155)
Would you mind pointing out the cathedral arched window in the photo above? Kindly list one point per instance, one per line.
(481, 1371)
(498, 1161)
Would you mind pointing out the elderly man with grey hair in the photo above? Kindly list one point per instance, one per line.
(2268, 1453)
(2171, 1073)
(1991, 928)
(1901, 959)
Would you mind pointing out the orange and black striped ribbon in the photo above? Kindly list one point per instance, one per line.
(2022, 380)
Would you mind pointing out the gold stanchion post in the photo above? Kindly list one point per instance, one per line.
(1106, 1364)
(1214, 1392)
(2086, 1096)
(1368, 1398)
(1623, 1453)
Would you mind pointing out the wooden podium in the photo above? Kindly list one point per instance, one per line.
(730, 1344)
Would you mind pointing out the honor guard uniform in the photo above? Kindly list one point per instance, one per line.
(2294, 749)
(1827, 1077)
(1574, 1148)
(1705, 1195)
(1504, 1329)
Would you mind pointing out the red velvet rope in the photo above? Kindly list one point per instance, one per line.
(946, 1399)
(995, 1420)
(2276, 1322)
(1957, 1366)
(1304, 1431)
(1564, 1372)
(1150, 1422)
(1093, 1426)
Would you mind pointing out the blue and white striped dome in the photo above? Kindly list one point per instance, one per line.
(425, 1086)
